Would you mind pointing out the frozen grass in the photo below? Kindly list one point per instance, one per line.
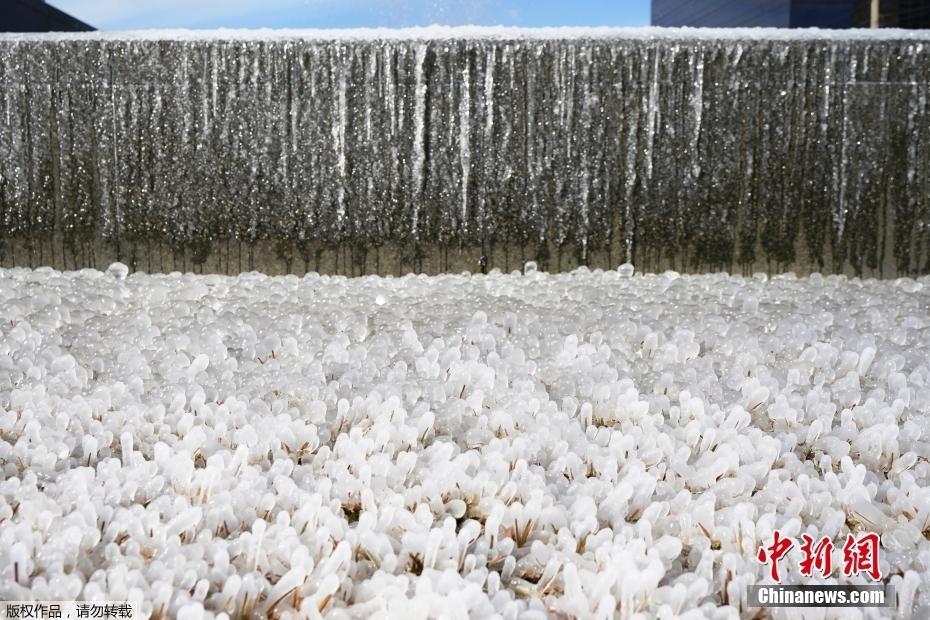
(587, 445)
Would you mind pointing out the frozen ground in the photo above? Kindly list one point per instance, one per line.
(585, 445)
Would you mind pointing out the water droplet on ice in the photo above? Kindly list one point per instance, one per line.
(908, 285)
(750, 305)
(626, 270)
(380, 300)
(118, 271)
(530, 267)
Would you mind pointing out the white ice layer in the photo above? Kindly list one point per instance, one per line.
(589, 445)
(475, 32)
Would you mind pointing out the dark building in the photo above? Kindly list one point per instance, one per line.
(36, 16)
(907, 14)
(791, 13)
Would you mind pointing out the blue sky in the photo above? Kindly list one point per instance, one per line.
(140, 14)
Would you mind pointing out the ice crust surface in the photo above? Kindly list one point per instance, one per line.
(594, 444)
(437, 32)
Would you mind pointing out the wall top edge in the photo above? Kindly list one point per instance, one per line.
(432, 33)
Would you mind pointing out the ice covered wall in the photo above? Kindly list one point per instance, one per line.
(728, 149)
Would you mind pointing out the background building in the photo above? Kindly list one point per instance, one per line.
(36, 16)
(791, 13)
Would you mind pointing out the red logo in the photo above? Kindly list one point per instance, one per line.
(819, 556)
(774, 552)
(860, 555)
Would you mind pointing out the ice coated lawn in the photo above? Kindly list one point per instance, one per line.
(588, 445)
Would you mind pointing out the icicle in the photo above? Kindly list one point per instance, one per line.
(464, 130)
(419, 128)
(339, 140)
(697, 105)
(652, 112)
(840, 172)
(695, 150)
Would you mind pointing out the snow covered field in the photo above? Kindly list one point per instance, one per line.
(587, 445)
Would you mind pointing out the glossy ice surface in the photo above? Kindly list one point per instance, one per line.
(699, 150)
